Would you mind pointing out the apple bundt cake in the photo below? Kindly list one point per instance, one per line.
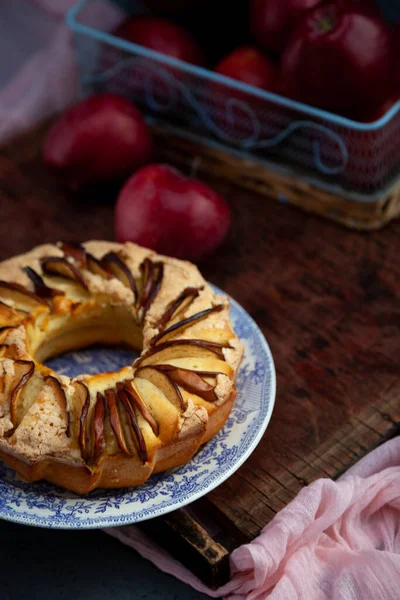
(110, 429)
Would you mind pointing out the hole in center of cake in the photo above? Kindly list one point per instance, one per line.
(94, 340)
(93, 359)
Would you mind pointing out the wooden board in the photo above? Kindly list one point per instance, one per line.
(327, 300)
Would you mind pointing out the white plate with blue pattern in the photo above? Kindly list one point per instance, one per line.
(46, 505)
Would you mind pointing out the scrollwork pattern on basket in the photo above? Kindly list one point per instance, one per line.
(46, 505)
(151, 74)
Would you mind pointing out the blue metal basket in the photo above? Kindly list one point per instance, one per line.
(362, 159)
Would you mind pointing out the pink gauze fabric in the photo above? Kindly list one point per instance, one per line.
(40, 75)
(336, 540)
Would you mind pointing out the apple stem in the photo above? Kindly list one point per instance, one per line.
(194, 167)
(327, 20)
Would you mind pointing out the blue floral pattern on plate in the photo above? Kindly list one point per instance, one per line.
(46, 505)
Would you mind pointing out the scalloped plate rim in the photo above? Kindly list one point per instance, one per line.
(113, 520)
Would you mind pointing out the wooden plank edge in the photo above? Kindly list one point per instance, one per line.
(191, 544)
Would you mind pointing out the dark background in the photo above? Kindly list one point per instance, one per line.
(40, 564)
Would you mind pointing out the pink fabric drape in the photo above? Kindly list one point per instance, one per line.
(335, 541)
(40, 75)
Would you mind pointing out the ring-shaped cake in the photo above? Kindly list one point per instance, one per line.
(115, 429)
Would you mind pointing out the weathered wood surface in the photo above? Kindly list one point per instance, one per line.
(328, 301)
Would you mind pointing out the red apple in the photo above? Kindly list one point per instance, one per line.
(272, 21)
(249, 65)
(162, 36)
(150, 78)
(236, 113)
(101, 138)
(339, 58)
(161, 209)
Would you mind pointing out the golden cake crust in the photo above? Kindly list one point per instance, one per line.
(110, 429)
